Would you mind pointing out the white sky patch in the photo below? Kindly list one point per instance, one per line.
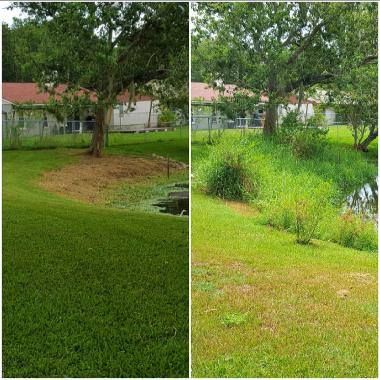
(7, 15)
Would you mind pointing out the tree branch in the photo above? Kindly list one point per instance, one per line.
(309, 81)
(306, 42)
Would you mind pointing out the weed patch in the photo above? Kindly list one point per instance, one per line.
(234, 319)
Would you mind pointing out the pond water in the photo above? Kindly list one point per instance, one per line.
(364, 201)
(176, 202)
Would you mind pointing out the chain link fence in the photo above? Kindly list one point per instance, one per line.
(19, 132)
(212, 122)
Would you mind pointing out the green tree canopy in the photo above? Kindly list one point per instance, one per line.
(20, 40)
(280, 48)
(109, 47)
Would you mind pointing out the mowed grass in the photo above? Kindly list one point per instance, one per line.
(89, 291)
(264, 306)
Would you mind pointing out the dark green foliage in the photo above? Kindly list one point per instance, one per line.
(306, 139)
(18, 40)
(227, 173)
(109, 48)
(228, 179)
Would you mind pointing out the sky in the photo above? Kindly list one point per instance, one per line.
(7, 15)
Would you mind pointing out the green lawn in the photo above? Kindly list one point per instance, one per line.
(90, 291)
(264, 306)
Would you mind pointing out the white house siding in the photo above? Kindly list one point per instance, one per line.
(202, 122)
(136, 119)
(306, 110)
(330, 116)
(6, 107)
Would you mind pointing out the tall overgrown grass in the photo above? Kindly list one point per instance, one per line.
(302, 194)
(228, 171)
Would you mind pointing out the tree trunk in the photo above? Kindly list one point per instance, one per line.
(98, 134)
(271, 112)
(270, 119)
(363, 146)
(300, 98)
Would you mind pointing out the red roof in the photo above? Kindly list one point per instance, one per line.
(30, 93)
(204, 92)
(293, 99)
(125, 97)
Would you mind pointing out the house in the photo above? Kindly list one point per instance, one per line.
(144, 112)
(26, 105)
(205, 109)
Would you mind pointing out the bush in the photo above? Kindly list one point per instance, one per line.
(306, 140)
(317, 121)
(307, 143)
(166, 117)
(227, 172)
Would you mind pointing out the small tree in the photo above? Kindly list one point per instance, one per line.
(355, 95)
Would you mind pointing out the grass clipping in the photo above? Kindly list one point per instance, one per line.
(88, 179)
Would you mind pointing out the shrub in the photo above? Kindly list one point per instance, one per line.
(317, 121)
(166, 117)
(227, 172)
(305, 140)
(304, 197)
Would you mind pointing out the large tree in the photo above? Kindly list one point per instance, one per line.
(20, 40)
(109, 47)
(282, 48)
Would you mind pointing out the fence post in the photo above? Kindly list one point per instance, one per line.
(209, 130)
(106, 140)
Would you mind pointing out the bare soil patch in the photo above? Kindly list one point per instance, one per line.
(364, 278)
(88, 179)
(241, 208)
(239, 289)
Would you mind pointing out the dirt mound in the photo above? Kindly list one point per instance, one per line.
(87, 179)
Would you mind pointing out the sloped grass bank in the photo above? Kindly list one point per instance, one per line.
(89, 291)
(263, 306)
(304, 196)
